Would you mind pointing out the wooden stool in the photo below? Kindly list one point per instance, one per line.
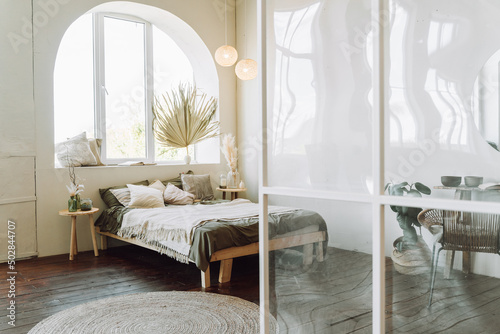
(73, 248)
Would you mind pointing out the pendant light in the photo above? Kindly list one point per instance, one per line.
(246, 69)
(226, 55)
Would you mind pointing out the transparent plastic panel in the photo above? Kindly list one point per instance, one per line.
(442, 96)
(321, 268)
(319, 112)
(450, 255)
(125, 95)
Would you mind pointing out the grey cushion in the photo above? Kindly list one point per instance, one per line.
(198, 185)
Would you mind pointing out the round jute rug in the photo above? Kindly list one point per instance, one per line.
(158, 312)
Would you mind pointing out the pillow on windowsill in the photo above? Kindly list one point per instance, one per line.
(95, 148)
(198, 185)
(174, 195)
(75, 152)
(145, 197)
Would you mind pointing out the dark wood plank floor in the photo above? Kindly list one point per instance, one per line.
(329, 297)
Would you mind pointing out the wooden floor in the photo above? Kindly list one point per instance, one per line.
(329, 297)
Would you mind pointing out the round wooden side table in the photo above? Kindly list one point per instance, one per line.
(73, 248)
(234, 192)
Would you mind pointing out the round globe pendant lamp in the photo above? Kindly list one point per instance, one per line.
(226, 55)
(246, 69)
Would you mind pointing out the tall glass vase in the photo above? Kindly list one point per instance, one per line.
(233, 179)
(72, 204)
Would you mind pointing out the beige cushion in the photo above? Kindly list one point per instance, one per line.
(198, 185)
(174, 195)
(95, 148)
(145, 197)
(75, 152)
(157, 184)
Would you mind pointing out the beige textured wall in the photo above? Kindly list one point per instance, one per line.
(17, 127)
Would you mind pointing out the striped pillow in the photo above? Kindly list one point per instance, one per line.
(122, 195)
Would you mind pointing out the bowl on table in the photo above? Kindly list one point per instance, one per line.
(473, 181)
(451, 181)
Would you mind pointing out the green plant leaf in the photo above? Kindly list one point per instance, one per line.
(401, 185)
(414, 193)
(422, 188)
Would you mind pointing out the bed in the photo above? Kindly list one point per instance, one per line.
(210, 231)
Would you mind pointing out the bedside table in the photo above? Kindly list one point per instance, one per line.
(73, 248)
(232, 191)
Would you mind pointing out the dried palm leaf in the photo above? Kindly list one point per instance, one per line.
(184, 117)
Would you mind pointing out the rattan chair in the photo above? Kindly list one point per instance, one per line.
(460, 231)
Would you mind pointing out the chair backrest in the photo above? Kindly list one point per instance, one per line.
(465, 231)
(472, 232)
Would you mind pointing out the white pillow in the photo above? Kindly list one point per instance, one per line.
(145, 197)
(95, 147)
(174, 195)
(75, 152)
(158, 185)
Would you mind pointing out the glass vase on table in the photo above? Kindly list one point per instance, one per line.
(233, 179)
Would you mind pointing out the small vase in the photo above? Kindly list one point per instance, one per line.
(233, 179)
(187, 159)
(72, 204)
(86, 204)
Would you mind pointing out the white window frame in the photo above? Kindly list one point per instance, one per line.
(100, 89)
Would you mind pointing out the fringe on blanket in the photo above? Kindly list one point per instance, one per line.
(142, 233)
(152, 238)
(164, 250)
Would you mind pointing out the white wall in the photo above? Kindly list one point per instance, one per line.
(248, 109)
(17, 128)
(27, 75)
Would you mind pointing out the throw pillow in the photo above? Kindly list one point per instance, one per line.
(157, 184)
(177, 181)
(122, 195)
(145, 197)
(110, 199)
(95, 147)
(174, 195)
(198, 185)
(75, 152)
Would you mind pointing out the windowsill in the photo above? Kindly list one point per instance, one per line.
(148, 166)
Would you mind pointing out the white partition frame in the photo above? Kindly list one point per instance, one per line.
(377, 198)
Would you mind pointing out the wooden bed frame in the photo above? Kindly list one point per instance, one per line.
(226, 256)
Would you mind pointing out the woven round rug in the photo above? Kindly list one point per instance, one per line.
(158, 312)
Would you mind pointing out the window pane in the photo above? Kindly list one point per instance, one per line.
(320, 117)
(171, 67)
(320, 287)
(125, 94)
(73, 82)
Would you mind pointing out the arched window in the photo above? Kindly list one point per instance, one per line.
(108, 70)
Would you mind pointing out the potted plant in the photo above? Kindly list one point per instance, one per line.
(184, 117)
(410, 251)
